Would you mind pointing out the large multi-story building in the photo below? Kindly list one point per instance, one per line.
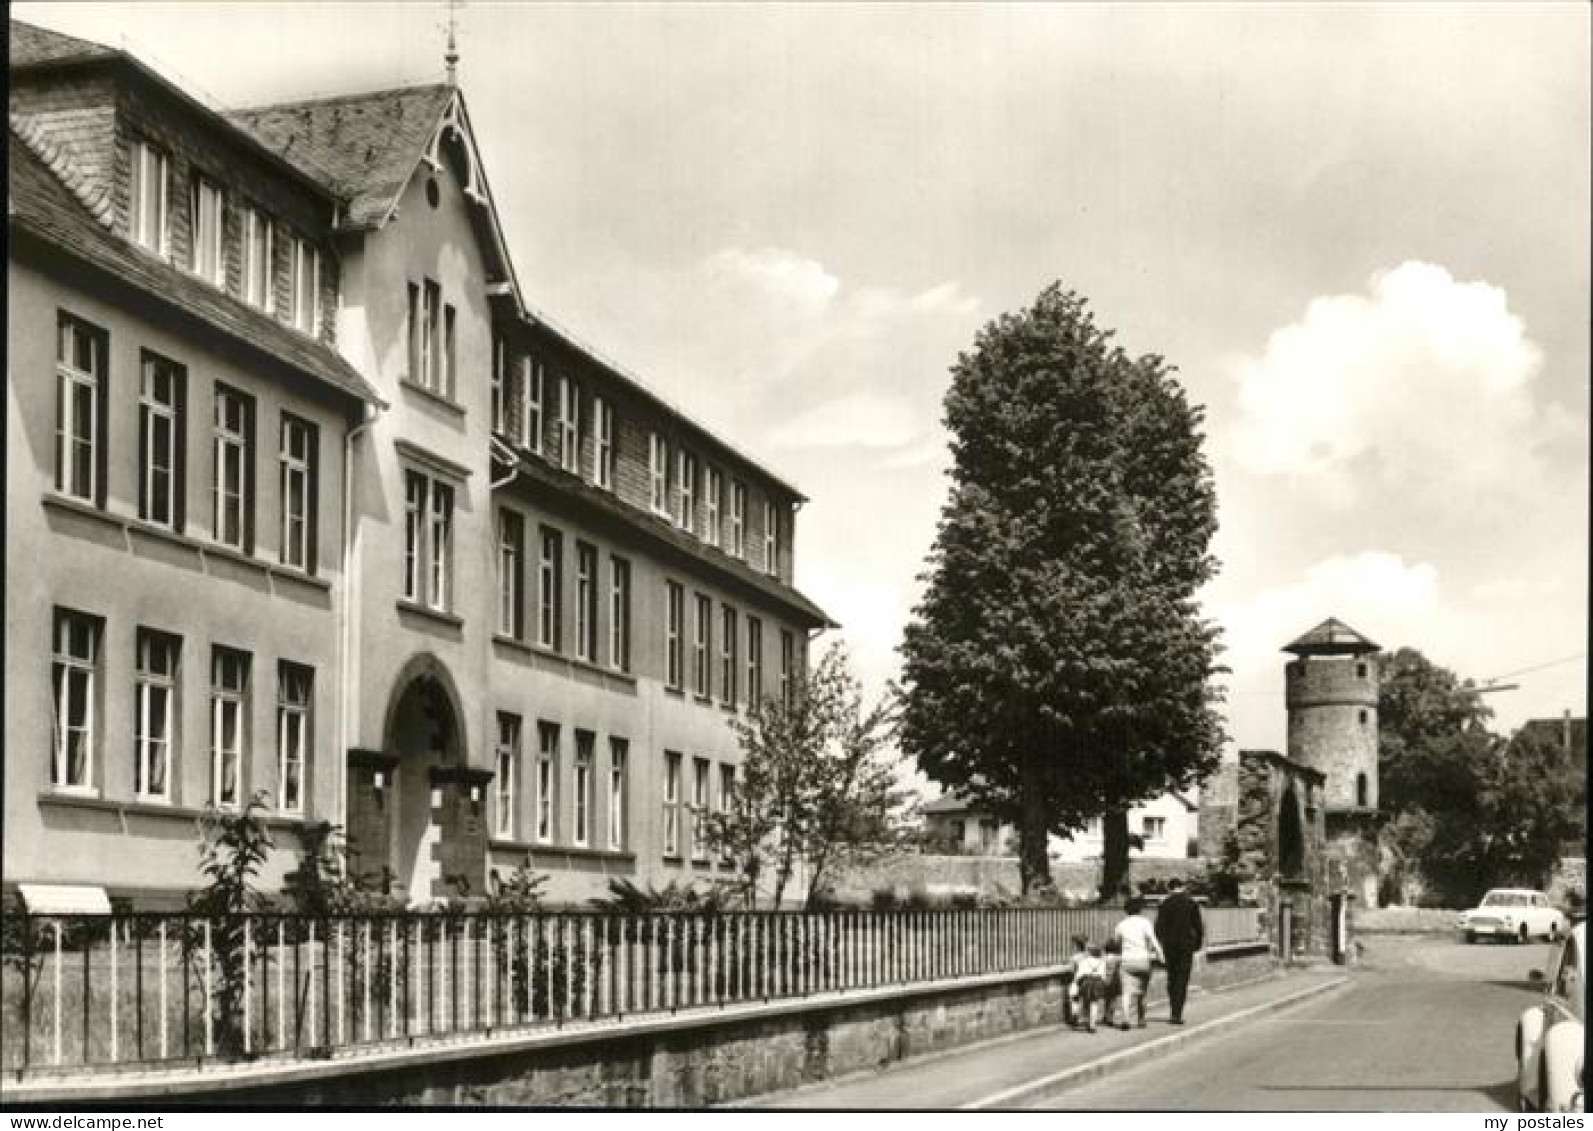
(303, 497)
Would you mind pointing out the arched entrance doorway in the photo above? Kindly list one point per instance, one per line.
(415, 807)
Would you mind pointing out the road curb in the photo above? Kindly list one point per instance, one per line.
(1125, 1058)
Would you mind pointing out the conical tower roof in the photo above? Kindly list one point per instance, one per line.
(1331, 638)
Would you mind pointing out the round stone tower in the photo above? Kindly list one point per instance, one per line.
(1331, 694)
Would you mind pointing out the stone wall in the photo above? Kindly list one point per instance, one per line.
(697, 1062)
(992, 876)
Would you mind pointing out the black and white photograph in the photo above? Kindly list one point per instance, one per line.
(885, 557)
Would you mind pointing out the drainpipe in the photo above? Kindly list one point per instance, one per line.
(347, 640)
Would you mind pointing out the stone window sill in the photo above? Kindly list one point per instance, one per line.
(147, 808)
(432, 395)
(441, 616)
(205, 549)
(536, 849)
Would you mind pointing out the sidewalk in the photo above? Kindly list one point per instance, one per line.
(1001, 1073)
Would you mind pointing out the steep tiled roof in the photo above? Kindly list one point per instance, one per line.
(33, 46)
(364, 146)
(40, 205)
(1331, 637)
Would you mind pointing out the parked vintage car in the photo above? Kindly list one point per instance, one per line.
(1550, 1035)
(1516, 914)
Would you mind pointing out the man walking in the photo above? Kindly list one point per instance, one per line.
(1180, 931)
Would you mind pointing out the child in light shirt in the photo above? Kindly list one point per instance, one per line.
(1089, 984)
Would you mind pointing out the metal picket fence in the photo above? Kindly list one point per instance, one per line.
(86, 993)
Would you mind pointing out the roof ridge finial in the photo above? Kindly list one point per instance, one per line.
(451, 55)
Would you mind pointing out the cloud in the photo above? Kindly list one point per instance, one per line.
(788, 282)
(864, 419)
(1421, 387)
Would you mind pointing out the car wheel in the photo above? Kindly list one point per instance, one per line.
(1522, 935)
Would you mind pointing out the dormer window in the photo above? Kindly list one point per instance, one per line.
(258, 250)
(146, 209)
(658, 473)
(531, 375)
(569, 426)
(686, 484)
(205, 212)
(771, 540)
(305, 300)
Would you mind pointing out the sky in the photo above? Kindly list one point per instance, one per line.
(1360, 232)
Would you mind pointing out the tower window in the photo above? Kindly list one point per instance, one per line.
(1360, 671)
(1360, 790)
(1362, 717)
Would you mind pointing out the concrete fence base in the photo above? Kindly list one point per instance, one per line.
(692, 1059)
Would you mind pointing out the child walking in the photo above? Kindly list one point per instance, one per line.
(1089, 981)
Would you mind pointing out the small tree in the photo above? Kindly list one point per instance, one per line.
(234, 846)
(815, 787)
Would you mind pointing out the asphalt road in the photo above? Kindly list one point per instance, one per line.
(1425, 1025)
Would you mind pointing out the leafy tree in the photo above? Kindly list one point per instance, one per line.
(815, 788)
(1470, 810)
(1057, 667)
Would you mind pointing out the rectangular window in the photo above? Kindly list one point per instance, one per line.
(712, 491)
(440, 545)
(205, 254)
(160, 431)
(586, 602)
(511, 585)
(533, 404)
(771, 540)
(229, 691)
(728, 637)
(74, 667)
(428, 540)
(258, 273)
(619, 614)
(1154, 828)
(305, 299)
(430, 338)
(754, 662)
(550, 578)
(738, 520)
(500, 381)
(547, 759)
(154, 715)
(584, 743)
(699, 808)
(671, 803)
(295, 684)
(233, 490)
(686, 485)
(79, 408)
(618, 755)
(446, 383)
(674, 617)
(603, 461)
(658, 473)
(701, 641)
(298, 492)
(416, 489)
(507, 757)
(787, 665)
(569, 426)
(147, 206)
